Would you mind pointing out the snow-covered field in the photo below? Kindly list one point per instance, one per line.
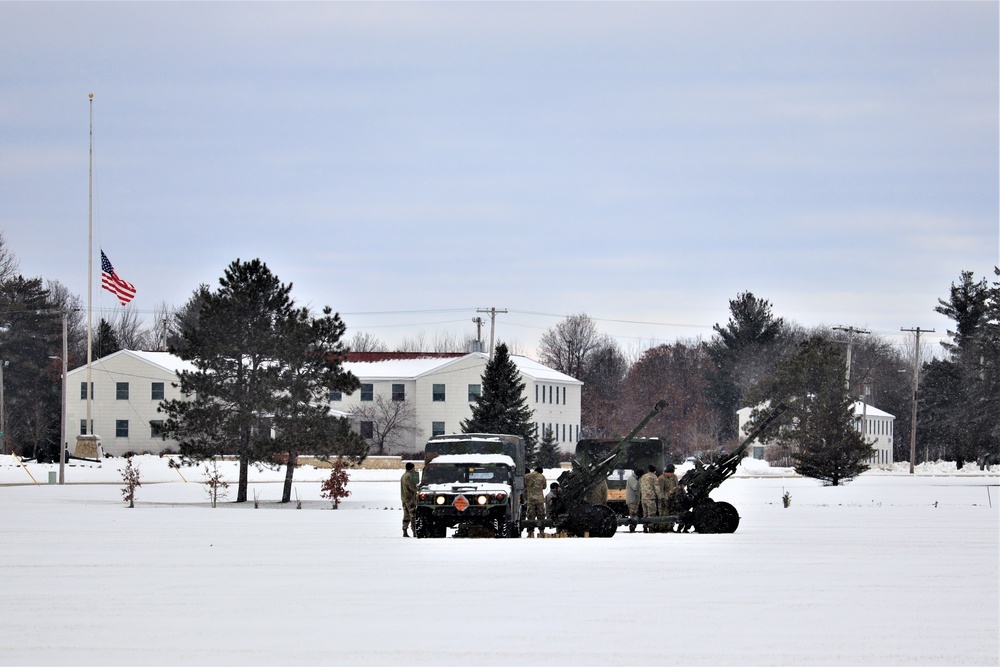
(891, 569)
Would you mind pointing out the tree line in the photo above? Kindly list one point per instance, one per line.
(756, 358)
(278, 360)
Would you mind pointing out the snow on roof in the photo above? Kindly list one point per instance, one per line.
(473, 458)
(164, 360)
(871, 411)
(408, 367)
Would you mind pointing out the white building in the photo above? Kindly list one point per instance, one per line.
(876, 426)
(442, 388)
(128, 387)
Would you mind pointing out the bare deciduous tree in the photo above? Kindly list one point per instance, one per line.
(362, 341)
(392, 422)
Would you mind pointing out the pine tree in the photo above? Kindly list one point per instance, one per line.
(820, 419)
(548, 450)
(502, 406)
(234, 343)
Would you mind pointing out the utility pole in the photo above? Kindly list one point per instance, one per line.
(478, 321)
(850, 344)
(493, 324)
(916, 384)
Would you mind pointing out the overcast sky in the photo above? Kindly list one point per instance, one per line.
(407, 164)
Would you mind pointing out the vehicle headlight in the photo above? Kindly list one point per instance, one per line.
(482, 500)
(439, 500)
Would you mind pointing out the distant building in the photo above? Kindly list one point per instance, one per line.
(443, 386)
(876, 426)
(128, 387)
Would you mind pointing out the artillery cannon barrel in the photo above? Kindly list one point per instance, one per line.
(577, 482)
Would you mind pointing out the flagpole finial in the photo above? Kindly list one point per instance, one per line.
(91, 96)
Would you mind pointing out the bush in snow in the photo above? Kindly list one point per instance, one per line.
(215, 483)
(130, 474)
(335, 487)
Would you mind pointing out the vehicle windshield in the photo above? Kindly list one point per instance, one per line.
(465, 473)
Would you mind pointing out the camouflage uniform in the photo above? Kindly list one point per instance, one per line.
(408, 496)
(599, 494)
(647, 487)
(534, 488)
(665, 483)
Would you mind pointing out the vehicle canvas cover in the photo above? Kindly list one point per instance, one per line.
(477, 443)
(640, 453)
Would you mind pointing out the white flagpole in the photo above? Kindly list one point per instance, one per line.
(89, 428)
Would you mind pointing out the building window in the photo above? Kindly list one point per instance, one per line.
(367, 392)
(398, 392)
(121, 391)
(121, 428)
(550, 393)
(536, 393)
(156, 391)
(564, 395)
(83, 391)
(83, 427)
(336, 395)
(476, 390)
(367, 430)
(437, 428)
(156, 429)
(437, 393)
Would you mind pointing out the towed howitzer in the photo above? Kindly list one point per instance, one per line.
(691, 499)
(578, 516)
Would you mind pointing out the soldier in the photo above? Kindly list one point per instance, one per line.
(408, 495)
(647, 490)
(666, 483)
(553, 501)
(632, 498)
(534, 488)
(599, 494)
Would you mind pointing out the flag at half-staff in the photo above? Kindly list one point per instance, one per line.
(125, 291)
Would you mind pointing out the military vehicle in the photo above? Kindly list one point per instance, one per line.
(473, 482)
(640, 453)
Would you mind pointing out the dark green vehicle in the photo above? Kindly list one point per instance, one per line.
(472, 482)
(640, 453)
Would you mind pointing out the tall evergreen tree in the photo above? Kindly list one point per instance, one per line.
(548, 450)
(310, 359)
(105, 340)
(820, 420)
(234, 344)
(742, 353)
(969, 405)
(502, 406)
(30, 334)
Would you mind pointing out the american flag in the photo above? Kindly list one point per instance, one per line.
(111, 282)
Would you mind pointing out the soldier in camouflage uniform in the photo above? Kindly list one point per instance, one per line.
(599, 494)
(534, 491)
(665, 485)
(408, 495)
(647, 488)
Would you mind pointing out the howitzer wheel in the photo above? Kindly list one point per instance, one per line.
(593, 520)
(713, 517)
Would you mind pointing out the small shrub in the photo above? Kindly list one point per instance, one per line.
(130, 474)
(215, 483)
(335, 487)
(786, 499)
